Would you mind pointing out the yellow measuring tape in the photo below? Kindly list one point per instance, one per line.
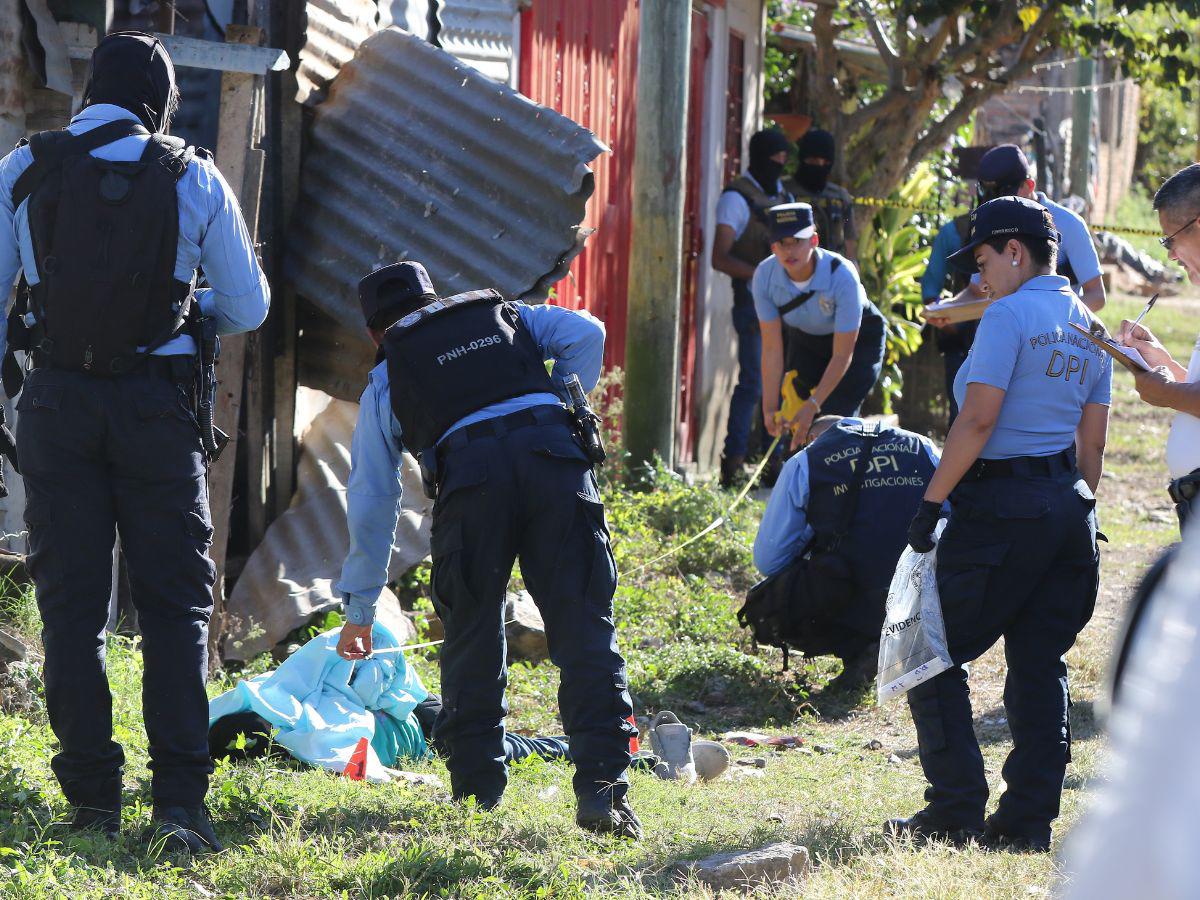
(956, 210)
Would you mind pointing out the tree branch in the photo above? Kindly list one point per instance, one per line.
(882, 44)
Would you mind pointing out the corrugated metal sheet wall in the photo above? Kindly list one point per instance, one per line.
(580, 58)
(480, 33)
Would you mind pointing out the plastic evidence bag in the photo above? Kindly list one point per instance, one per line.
(912, 645)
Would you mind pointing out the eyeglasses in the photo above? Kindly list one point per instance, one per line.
(1169, 241)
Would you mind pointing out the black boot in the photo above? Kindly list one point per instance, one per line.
(102, 821)
(617, 818)
(180, 828)
(995, 838)
(922, 828)
(731, 469)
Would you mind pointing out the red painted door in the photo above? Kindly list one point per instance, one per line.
(693, 243)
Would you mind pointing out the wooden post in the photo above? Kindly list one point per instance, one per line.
(656, 265)
(241, 162)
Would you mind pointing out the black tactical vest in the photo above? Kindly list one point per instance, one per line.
(754, 245)
(105, 236)
(898, 471)
(455, 356)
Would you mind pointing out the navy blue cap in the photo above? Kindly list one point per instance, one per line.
(1002, 170)
(790, 220)
(1003, 217)
(395, 285)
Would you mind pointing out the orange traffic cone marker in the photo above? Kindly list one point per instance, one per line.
(634, 745)
(357, 767)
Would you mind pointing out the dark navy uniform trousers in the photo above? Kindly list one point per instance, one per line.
(1017, 560)
(520, 487)
(102, 456)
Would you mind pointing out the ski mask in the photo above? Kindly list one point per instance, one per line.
(815, 143)
(132, 70)
(763, 145)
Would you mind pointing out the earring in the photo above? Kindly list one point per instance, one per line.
(1014, 262)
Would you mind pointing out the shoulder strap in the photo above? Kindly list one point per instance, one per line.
(50, 148)
(800, 299)
(851, 502)
(172, 152)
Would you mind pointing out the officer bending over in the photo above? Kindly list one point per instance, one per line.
(462, 382)
(815, 319)
(1018, 558)
(108, 222)
(851, 530)
(1170, 385)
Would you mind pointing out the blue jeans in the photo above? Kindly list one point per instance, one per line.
(747, 393)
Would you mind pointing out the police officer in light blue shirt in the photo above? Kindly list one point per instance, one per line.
(109, 222)
(1018, 558)
(816, 320)
(462, 382)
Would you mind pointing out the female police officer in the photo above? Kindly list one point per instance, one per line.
(834, 334)
(1018, 557)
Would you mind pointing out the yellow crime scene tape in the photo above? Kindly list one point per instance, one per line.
(886, 203)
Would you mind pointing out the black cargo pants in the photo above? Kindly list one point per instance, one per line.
(520, 487)
(1017, 560)
(101, 456)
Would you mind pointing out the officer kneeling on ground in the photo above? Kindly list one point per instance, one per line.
(832, 532)
(1018, 558)
(462, 382)
(108, 222)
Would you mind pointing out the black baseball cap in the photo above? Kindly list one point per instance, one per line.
(1002, 170)
(790, 220)
(1003, 217)
(400, 284)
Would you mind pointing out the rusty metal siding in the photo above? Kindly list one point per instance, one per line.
(580, 58)
(415, 155)
(479, 32)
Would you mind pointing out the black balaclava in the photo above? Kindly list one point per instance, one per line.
(763, 145)
(131, 69)
(816, 142)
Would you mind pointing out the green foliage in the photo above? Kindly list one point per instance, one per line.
(892, 254)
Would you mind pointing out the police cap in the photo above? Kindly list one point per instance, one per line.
(1003, 217)
(404, 284)
(789, 220)
(1002, 170)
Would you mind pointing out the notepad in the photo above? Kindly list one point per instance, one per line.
(1126, 356)
(958, 310)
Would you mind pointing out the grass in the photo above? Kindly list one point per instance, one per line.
(300, 833)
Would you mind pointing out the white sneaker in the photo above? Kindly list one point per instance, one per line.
(671, 742)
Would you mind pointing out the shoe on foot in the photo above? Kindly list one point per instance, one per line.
(857, 671)
(995, 839)
(922, 828)
(95, 819)
(671, 742)
(617, 818)
(183, 828)
(731, 469)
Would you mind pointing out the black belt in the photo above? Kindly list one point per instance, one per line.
(179, 367)
(502, 425)
(1023, 466)
(1185, 488)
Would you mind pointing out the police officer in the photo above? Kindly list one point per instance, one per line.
(833, 207)
(815, 510)
(108, 221)
(464, 385)
(1018, 558)
(743, 241)
(810, 299)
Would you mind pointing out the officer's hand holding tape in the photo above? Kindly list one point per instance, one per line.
(921, 530)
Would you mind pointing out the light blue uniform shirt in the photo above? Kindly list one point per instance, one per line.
(1049, 372)
(784, 530)
(836, 307)
(212, 235)
(574, 340)
(945, 242)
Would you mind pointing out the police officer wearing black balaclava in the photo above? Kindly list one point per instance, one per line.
(108, 222)
(742, 241)
(833, 207)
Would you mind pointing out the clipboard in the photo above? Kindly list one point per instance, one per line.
(1121, 354)
(962, 311)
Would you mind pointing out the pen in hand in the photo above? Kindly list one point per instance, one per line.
(1142, 314)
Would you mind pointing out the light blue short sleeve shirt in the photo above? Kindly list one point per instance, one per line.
(1048, 371)
(835, 307)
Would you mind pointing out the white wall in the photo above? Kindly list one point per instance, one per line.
(717, 348)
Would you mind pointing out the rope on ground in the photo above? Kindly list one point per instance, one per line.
(719, 520)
